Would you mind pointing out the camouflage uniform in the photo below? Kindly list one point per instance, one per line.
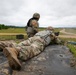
(33, 25)
(34, 45)
(31, 31)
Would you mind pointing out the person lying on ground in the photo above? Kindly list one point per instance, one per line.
(16, 53)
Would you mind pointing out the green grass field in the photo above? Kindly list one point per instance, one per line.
(72, 49)
(21, 30)
(16, 30)
(13, 30)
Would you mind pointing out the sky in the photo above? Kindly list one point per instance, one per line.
(56, 13)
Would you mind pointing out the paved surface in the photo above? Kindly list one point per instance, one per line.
(54, 60)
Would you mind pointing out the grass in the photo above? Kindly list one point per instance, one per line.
(68, 39)
(6, 37)
(72, 49)
(13, 37)
(17, 30)
(72, 30)
(57, 29)
(70, 46)
(13, 30)
(22, 30)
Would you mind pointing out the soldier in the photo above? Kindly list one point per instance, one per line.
(28, 48)
(32, 25)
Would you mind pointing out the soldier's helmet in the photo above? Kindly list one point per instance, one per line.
(36, 15)
(50, 28)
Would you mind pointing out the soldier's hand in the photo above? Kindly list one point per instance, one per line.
(34, 23)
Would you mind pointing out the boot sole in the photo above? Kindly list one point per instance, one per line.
(12, 60)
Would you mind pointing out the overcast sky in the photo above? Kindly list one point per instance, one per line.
(56, 13)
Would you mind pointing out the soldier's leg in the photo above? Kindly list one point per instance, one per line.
(30, 51)
(26, 42)
(24, 53)
(4, 44)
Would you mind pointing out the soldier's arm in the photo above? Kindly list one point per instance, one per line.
(35, 25)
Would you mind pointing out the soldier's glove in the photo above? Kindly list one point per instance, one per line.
(56, 33)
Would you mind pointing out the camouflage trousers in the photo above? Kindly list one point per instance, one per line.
(31, 47)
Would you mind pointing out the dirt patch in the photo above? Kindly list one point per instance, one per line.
(67, 34)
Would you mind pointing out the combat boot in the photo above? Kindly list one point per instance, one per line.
(4, 44)
(12, 56)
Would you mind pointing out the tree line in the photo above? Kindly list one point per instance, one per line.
(2, 26)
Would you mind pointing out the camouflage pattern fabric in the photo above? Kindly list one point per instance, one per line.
(31, 31)
(4, 44)
(31, 47)
(34, 45)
